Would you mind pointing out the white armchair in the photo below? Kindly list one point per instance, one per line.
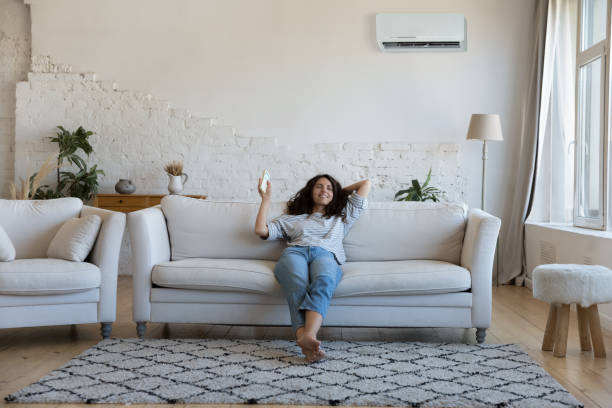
(39, 291)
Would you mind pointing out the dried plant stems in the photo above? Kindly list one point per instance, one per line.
(174, 168)
(28, 188)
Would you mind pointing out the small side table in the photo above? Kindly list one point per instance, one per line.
(131, 202)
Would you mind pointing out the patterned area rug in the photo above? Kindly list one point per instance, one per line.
(224, 371)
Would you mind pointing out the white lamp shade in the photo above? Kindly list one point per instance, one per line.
(485, 127)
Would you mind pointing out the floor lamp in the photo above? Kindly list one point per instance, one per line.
(485, 127)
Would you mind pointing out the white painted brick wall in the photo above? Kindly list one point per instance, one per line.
(136, 134)
(14, 65)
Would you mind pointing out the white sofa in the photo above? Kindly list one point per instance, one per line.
(409, 265)
(39, 291)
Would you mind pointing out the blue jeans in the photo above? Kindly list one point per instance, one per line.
(308, 275)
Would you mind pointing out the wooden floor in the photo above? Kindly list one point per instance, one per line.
(30, 353)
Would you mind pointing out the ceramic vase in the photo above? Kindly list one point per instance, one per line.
(125, 186)
(175, 186)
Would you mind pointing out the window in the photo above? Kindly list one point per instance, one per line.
(592, 103)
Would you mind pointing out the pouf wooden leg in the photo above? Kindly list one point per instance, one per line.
(549, 334)
(599, 349)
(562, 327)
(583, 328)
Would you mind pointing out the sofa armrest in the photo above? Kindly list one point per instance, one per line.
(477, 256)
(105, 255)
(150, 246)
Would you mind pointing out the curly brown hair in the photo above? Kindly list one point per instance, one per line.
(302, 202)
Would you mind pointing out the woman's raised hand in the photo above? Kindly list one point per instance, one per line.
(267, 194)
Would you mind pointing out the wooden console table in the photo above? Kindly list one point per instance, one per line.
(131, 202)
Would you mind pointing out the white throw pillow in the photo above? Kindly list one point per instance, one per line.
(75, 238)
(7, 250)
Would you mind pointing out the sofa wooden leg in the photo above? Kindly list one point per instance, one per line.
(105, 329)
(562, 328)
(583, 328)
(480, 335)
(141, 329)
(599, 349)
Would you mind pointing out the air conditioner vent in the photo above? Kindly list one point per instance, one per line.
(421, 32)
(421, 44)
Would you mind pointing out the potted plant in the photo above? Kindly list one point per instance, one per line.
(82, 184)
(420, 192)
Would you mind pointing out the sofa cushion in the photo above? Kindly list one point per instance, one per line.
(408, 230)
(32, 224)
(385, 232)
(415, 277)
(7, 250)
(47, 277)
(359, 278)
(234, 275)
(209, 229)
(75, 238)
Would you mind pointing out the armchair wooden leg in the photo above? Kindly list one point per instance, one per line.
(141, 329)
(480, 335)
(599, 349)
(550, 332)
(105, 330)
(562, 327)
(583, 328)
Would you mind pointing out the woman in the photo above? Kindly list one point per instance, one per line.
(318, 218)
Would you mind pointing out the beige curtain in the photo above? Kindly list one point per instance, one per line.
(554, 190)
(512, 249)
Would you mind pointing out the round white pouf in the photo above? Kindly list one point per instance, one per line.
(585, 285)
(562, 285)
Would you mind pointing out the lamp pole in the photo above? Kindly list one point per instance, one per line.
(484, 175)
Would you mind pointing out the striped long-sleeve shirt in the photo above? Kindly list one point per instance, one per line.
(316, 230)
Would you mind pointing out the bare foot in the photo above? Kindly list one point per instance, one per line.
(310, 347)
(319, 355)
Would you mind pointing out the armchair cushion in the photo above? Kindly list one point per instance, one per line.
(75, 238)
(32, 224)
(7, 250)
(47, 277)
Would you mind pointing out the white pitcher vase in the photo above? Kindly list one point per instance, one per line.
(175, 186)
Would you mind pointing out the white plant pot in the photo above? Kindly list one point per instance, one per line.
(175, 186)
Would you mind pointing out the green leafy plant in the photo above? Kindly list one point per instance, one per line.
(418, 192)
(82, 184)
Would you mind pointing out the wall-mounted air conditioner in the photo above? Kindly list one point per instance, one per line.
(401, 32)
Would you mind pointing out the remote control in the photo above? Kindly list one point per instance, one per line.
(264, 181)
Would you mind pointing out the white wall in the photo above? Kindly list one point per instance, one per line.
(309, 70)
(135, 134)
(14, 63)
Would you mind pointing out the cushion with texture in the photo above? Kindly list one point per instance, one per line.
(397, 231)
(7, 250)
(32, 224)
(214, 229)
(47, 277)
(395, 278)
(74, 240)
